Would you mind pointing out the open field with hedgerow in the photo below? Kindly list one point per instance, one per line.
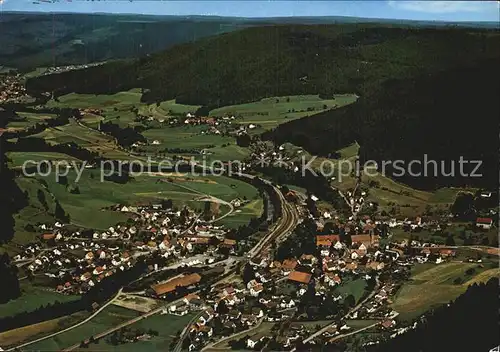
(28, 119)
(123, 108)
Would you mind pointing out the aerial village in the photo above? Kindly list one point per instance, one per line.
(308, 286)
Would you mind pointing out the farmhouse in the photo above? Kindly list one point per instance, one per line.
(326, 240)
(169, 286)
(484, 223)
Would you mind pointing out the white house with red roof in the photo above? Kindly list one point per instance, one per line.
(484, 223)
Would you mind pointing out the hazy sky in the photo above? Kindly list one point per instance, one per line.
(421, 10)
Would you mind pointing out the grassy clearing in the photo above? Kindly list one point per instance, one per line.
(185, 137)
(227, 153)
(433, 287)
(32, 298)
(412, 201)
(350, 151)
(312, 325)
(109, 317)
(270, 112)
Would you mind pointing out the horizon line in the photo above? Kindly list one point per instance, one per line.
(238, 17)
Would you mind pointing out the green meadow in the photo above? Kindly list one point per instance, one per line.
(271, 112)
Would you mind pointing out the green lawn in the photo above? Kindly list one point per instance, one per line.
(31, 299)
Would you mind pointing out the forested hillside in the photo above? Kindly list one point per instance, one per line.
(11, 197)
(31, 40)
(470, 323)
(446, 115)
(259, 62)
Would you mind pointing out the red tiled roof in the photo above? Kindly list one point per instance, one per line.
(484, 220)
(170, 285)
(258, 288)
(48, 236)
(299, 276)
(326, 240)
(199, 240)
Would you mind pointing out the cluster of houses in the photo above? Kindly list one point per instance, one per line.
(61, 69)
(77, 262)
(78, 265)
(12, 89)
(361, 257)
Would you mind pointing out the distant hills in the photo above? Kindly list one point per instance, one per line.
(32, 40)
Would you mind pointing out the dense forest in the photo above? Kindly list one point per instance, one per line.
(11, 199)
(259, 62)
(470, 323)
(445, 115)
